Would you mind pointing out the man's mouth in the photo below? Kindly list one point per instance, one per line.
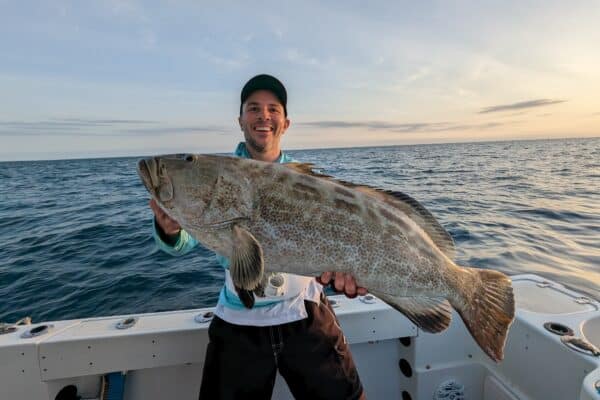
(263, 128)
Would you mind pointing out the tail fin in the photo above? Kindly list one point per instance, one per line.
(486, 305)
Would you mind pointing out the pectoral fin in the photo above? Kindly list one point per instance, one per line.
(247, 265)
(246, 297)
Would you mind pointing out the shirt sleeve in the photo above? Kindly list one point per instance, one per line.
(184, 244)
(223, 261)
(285, 158)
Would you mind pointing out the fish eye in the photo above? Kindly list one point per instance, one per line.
(189, 157)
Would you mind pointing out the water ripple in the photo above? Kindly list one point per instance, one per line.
(75, 234)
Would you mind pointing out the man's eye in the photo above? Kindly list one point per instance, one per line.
(274, 110)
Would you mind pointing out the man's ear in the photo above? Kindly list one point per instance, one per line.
(287, 124)
(240, 122)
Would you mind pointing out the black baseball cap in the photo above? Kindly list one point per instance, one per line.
(265, 82)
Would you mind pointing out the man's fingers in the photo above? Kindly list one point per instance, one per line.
(325, 278)
(156, 208)
(339, 282)
(342, 283)
(167, 224)
(350, 285)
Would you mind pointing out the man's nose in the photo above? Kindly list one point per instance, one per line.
(264, 114)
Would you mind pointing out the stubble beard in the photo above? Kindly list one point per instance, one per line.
(255, 146)
(258, 147)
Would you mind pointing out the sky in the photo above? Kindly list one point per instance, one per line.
(129, 78)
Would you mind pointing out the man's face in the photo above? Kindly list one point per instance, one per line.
(263, 121)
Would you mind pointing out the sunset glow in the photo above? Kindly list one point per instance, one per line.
(116, 78)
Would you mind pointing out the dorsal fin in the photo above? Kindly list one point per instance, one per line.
(418, 213)
(306, 168)
(409, 206)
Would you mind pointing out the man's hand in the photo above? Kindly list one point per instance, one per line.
(168, 225)
(342, 283)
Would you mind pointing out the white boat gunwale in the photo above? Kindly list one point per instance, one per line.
(168, 348)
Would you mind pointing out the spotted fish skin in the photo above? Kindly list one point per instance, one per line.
(287, 218)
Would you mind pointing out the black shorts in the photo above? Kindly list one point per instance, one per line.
(311, 355)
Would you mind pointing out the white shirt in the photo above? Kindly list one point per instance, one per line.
(296, 289)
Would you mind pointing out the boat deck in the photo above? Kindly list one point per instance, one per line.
(162, 353)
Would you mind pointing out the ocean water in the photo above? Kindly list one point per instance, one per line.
(75, 235)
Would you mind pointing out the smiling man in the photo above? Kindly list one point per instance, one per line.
(290, 327)
(263, 117)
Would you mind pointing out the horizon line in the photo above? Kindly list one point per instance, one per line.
(327, 148)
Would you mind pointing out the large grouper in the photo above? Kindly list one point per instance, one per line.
(270, 217)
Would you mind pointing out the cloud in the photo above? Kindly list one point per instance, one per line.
(70, 123)
(520, 105)
(182, 129)
(421, 73)
(100, 127)
(373, 125)
(402, 128)
(108, 121)
(64, 126)
(296, 56)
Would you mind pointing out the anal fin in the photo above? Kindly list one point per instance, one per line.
(431, 314)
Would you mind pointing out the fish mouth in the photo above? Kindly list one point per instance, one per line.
(155, 177)
(148, 172)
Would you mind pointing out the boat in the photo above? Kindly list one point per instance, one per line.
(550, 353)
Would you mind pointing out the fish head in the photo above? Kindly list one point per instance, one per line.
(182, 184)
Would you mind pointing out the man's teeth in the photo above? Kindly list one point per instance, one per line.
(263, 128)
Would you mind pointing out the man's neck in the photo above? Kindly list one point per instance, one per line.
(268, 156)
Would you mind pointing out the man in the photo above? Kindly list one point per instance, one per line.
(291, 327)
